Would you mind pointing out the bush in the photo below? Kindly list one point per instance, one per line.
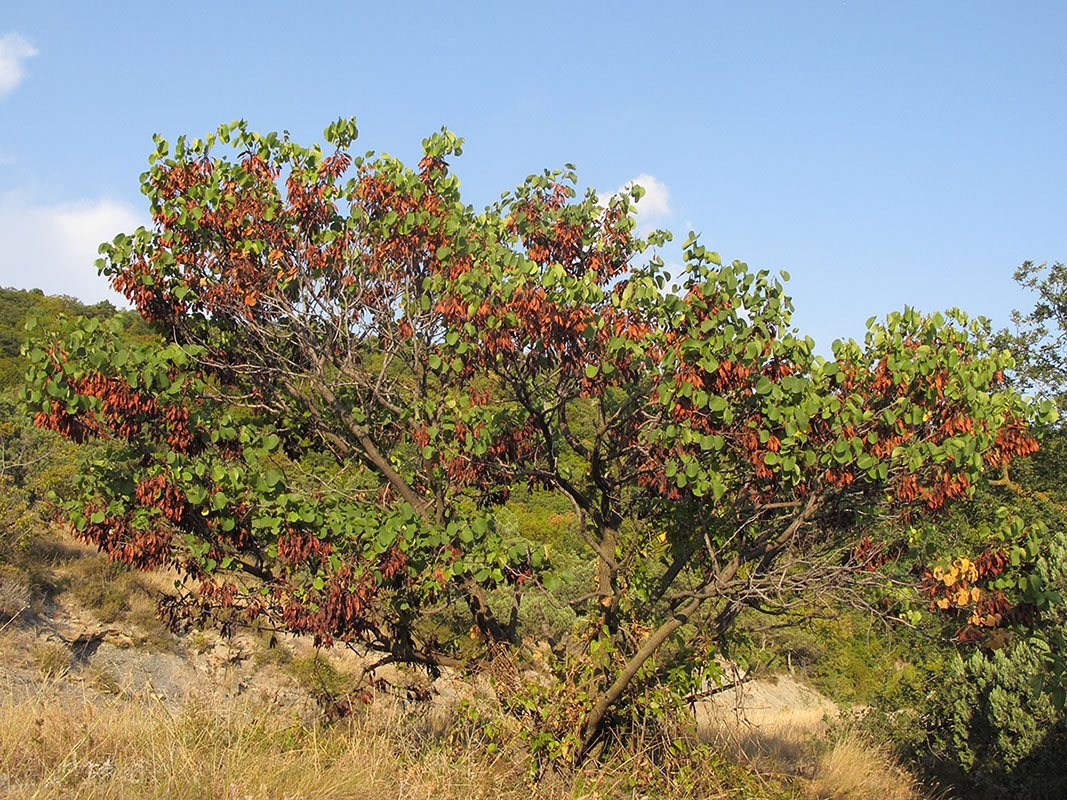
(993, 733)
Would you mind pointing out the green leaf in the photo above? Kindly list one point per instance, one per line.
(1058, 696)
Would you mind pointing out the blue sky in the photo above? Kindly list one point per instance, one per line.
(884, 153)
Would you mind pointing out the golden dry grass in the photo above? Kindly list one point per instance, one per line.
(855, 769)
(67, 742)
(56, 747)
(802, 742)
(773, 738)
(58, 743)
(53, 747)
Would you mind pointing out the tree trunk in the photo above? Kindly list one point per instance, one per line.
(594, 722)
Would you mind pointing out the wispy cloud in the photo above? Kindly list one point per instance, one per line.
(14, 50)
(53, 246)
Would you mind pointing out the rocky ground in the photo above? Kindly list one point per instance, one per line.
(84, 627)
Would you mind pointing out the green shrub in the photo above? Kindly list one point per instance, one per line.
(320, 677)
(990, 726)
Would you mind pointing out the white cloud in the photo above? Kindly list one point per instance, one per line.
(53, 247)
(653, 208)
(655, 202)
(13, 51)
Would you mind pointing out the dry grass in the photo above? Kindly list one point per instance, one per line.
(94, 739)
(116, 593)
(776, 739)
(53, 747)
(52, 659)
(113, 748)
(15, 596)
(855, 769)
(802, 742)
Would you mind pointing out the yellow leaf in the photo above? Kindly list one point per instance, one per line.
(998, 639)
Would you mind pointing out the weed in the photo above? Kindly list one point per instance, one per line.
(102, 586)
(122, 748)
(103, 681)
(199, 642)
(52, 660)
(15, 596)
(320, 677)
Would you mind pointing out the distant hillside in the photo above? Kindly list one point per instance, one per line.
(17, 305)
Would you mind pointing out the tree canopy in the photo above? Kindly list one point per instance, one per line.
(353, 370)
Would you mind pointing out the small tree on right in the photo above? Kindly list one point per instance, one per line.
(1039, 342)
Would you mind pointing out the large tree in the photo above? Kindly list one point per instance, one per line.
(354, 369)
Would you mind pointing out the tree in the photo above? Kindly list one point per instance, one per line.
(1039, 342)
(353, 373)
